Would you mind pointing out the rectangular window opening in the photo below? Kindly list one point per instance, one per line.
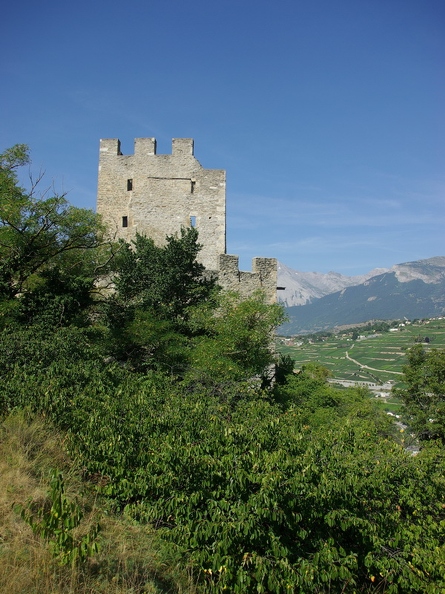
(124, 221)
(129, 185)
(193, 221)
(192, 186)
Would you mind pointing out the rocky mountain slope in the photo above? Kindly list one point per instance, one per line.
(411, 290)
(304, 287)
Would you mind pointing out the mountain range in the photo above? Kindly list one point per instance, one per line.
(316, 301)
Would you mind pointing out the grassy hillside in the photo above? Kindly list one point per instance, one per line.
(131, 557)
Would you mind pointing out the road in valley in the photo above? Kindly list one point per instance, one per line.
(371, 368)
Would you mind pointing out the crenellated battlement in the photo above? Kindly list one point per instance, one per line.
(144, 147)
(262, 277)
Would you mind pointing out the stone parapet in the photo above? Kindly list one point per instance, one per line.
(263, 276)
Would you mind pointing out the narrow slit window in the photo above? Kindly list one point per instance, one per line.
(124, 221)
(192, 186)
(193, 221)
(129, 185)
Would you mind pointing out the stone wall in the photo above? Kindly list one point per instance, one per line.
(263, 276)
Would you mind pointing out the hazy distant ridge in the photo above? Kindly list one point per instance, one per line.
(411, 290)
(303, 287)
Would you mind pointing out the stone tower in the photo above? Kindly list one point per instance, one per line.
(155, 195)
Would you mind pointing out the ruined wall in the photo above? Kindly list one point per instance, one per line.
(155, 195)
(263, 276)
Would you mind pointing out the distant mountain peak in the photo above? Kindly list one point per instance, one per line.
(304, 287)
(430, 270)
(411, 290)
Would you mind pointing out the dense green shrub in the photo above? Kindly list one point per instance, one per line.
(164, 392)
(261, 502)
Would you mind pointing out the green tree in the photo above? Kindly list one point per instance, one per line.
(167, 280)
(168, 313)
(50, 252)
(424, 394)
(156, 288)
(235, 340)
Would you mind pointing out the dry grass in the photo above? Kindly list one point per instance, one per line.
(131, 559)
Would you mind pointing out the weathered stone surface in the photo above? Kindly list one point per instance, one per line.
(263, 276)
(157, 194)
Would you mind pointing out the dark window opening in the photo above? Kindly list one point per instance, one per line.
(192, 186)
(124, 221)
(193, 221)
(129, 184)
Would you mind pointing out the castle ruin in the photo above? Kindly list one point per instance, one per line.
(155, 195)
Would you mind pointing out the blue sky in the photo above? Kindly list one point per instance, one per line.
(329, 117)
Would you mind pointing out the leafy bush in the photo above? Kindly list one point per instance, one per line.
(259, 500)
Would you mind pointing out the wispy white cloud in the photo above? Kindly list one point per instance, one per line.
(424, 205)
